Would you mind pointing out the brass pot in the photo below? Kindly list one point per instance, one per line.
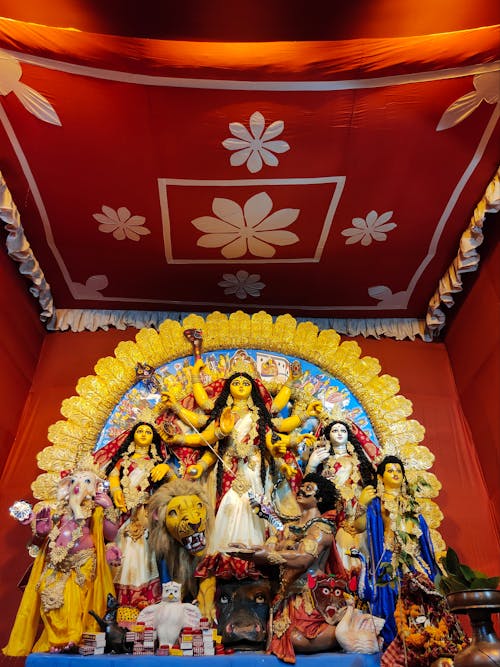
(479, 605)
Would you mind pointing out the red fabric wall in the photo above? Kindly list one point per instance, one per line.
(21, 337)
(473, 344)
(425, 376)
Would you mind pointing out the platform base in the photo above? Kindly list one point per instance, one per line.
(241, 659)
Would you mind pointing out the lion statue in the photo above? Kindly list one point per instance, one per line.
(180, 519)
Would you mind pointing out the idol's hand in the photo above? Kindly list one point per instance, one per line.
(195, 471)
(113, 554)
(367, 495)
(168, 400)
(279, 448)
(159, 472)
(119, 500)
(103, 499)
(43, 521)
(314, 408)
(243, 551)
(226, 422)
(308, 437)
(28, 520)
(288, 470)
(198, 365)
(318, 455)
(174, 438)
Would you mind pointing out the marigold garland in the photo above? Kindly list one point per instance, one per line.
(424, 622)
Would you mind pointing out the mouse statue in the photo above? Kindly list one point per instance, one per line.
(115, 634)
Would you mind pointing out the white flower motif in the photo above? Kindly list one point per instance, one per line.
(238, 231)
(242, 284)
(255, 147)
(121, 223)
(371, 228)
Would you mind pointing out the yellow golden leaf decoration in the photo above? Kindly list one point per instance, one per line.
(347, 354)
(241, 328)
(66, 433)
(261, 325)
(306, 335)
(149, 343)
(382, 387)
(55, 459)
(45, 485)
(431, 511)
(172, 337)
(284, 333)
(425, 483)
(215, 331)
(82, 410)
(397, 408)
(418, 457)
(96, 390)
(129, 353)
(365, 369)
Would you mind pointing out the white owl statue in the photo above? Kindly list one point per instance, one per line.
(169, 616)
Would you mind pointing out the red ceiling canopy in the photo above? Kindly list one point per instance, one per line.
(330, 178)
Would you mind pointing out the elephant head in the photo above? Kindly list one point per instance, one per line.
(77, 487)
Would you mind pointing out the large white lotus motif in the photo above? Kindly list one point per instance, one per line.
(253, 229)
(255, 147)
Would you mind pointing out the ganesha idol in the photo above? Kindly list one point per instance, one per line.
(70, 575)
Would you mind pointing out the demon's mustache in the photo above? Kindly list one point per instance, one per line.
(303, 494)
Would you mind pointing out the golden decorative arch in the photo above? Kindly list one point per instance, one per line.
(389, 412)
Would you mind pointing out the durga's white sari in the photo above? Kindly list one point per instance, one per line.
(235, 520)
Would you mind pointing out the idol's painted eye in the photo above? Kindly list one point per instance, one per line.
(260, 598)
(338, 592)
(325, 590)
(224, 599)
(172, 513)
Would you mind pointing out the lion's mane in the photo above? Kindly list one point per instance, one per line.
(180, 563)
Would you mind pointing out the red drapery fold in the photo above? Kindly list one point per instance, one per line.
(256, 60)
